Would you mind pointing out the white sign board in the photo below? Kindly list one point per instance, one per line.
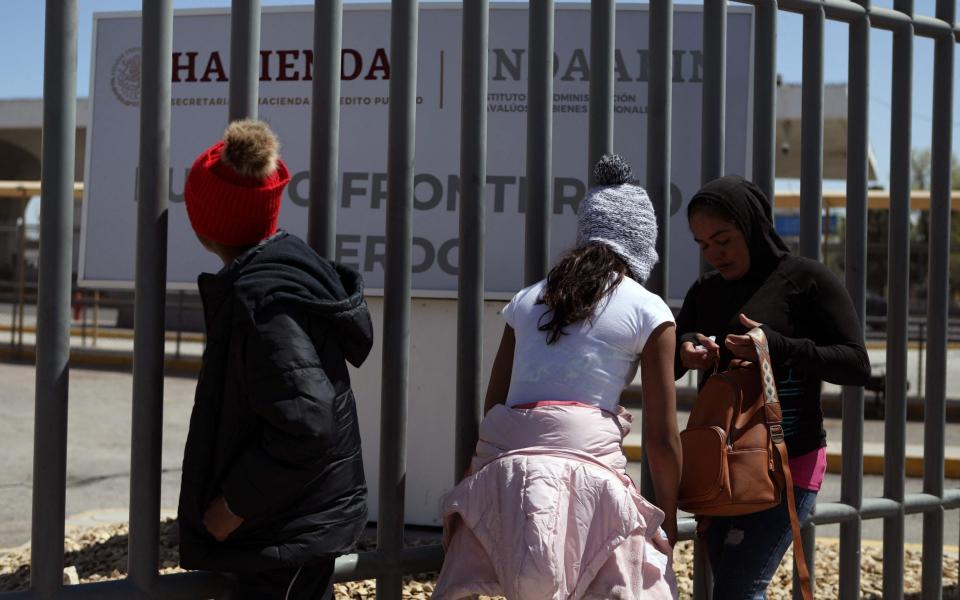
(200, 91)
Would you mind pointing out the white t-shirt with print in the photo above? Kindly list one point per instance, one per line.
(595, 359)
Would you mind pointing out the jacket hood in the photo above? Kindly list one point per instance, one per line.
(750, 210)
(283, 269)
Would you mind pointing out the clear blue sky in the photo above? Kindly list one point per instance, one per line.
(21, 60)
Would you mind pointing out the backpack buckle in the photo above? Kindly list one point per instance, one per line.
(776, 433)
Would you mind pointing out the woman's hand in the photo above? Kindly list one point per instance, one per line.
(704, 356)
(741, 346)
(670, 528)
(220, 520)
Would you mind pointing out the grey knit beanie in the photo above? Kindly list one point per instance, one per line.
(618, 213)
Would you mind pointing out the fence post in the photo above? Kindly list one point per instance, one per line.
(938, 287)
(325, 130)
(898, 287)
(536, 255)
(765, 97)
(396, 295)
(660, 34)
(150, 294)
(855, 261)
(53, 302)
(473, 175)
(714, 89)
(244, 52)
(602, 34)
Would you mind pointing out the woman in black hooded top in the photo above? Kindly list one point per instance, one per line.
(814, 336)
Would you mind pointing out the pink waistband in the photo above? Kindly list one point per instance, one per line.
(542, 403)
(546, 403)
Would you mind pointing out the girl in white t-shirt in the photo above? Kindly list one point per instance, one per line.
(571, 344)
(580, 334)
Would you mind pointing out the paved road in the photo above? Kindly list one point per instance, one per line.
(98, 446)
(99, 449)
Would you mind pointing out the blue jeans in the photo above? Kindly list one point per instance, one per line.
(745, 551)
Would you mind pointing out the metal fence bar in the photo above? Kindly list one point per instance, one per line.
(811, 184)
(713, 112)
(396, 297)
(898, 254)
(325, 129)
(938, 287)
(659, 95)
(765, 97)
(811, 137)
(855, 274)
(536, 254)
(244, 52)
(879, 508)
(53, 302)
(602, 23)
(150, 294)
(659, 111)
(391, 559)
(473, 175)
(714, 89)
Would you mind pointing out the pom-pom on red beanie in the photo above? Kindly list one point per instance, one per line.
(234, 188)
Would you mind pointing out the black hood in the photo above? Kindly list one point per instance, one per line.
(749, 209)
(283, 269)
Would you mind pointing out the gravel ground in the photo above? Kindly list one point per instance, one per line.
(99, 554)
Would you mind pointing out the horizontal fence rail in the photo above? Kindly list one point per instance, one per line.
(391, 560)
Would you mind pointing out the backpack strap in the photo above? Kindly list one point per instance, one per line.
(775, 425)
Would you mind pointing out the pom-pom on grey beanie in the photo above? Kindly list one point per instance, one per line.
(618, 213)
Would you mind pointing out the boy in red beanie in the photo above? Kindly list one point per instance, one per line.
(273, 487)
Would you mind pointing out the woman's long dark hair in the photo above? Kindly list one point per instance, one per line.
(584, 277)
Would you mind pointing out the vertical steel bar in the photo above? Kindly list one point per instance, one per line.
(21, 272)
(811, 165)
(13, 317)
(150, 294)
(396, 297)
(53, 303)
(811, 142)
(96, 316)
(244, 55)
(938, 288)
(325, 132)
(713, 111)
(473, 175)
(921, 338)
(898, 257)
(659, 99)
(855, 273)
(179, 323)
(539, 141)
(808, 536)
(82, 304)
(765, 97)
(602, 23)
(702, 574)
(714, 88)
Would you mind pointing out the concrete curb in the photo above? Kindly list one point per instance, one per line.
(632, 397)
(112, 333)
(107, 359)
(872, 462)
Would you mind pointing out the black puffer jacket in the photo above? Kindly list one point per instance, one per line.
(274, 425)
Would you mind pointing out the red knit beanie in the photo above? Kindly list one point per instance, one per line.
(234, 189)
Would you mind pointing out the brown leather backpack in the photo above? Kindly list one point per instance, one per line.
(734, 457)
